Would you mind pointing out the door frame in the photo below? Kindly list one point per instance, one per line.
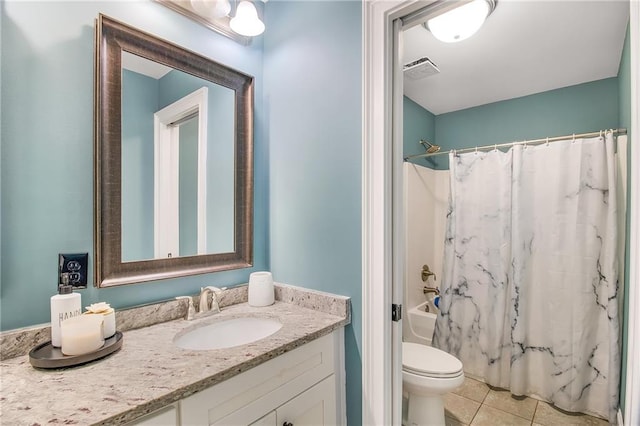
(381, 337)
(166, 224)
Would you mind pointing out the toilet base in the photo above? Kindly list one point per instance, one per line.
(425, 410)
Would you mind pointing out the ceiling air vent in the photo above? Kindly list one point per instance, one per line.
(420, 68)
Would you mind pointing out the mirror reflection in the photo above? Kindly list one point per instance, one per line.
(173, 160)
(177, 163)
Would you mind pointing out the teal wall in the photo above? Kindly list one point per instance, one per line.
(624, 95)
(587, 107)
(313, 105)
(188, 188)
(46, 164)
(139, 103)
(418, 124)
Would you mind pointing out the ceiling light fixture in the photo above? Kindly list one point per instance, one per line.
(246, 21)
(462, 22)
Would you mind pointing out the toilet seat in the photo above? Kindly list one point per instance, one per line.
(428, 361)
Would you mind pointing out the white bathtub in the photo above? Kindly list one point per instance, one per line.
(422, 323)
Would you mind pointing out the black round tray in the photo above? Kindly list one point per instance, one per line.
(47, 356)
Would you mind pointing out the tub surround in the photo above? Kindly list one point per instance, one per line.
(150, 372)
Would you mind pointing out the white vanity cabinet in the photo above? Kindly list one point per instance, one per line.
(302, 387)
(163, 417)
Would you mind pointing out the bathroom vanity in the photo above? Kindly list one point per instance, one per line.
(298, 387)
(294, 375)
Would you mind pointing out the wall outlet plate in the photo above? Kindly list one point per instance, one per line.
(76, 265)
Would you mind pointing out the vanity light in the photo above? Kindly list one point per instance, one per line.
(213, 9)
(462, 22)
(246, 21)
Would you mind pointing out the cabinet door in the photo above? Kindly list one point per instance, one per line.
(164, 417)
(314, 407)
(268, 420)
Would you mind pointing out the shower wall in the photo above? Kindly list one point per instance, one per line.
(426, 196)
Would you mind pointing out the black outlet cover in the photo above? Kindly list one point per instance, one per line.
(76, 265)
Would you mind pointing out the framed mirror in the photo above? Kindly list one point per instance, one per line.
(173, 160)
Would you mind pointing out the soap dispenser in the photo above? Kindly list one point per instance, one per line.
(64, 305)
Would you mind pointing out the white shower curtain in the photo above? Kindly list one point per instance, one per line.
(529, 293)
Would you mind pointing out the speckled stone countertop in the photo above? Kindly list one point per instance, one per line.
(149, 371)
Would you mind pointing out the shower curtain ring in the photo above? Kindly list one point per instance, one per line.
(547, 140)
(476, 150)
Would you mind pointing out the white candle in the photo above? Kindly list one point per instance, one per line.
(82, 334)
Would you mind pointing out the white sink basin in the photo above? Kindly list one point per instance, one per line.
(227, 334)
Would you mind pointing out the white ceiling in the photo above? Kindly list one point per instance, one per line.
(524, 47)
(143, 66)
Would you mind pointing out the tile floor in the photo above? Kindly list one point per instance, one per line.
(477, 404)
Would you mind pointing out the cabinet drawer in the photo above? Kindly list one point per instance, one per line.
(259, 390)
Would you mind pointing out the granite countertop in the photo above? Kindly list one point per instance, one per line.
(149, 371)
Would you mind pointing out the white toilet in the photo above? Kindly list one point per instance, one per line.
(427, 374)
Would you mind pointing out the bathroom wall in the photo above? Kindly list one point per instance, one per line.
(587, 107)
(418, 124)
(46, 165)
(313, 128)
(139, 99)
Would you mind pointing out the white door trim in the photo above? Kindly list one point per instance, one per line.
(632, 395)
(166, 224)
(381, 392)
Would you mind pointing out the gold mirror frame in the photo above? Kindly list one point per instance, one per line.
(113, 37)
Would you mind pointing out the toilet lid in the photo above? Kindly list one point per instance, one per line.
(428, 361)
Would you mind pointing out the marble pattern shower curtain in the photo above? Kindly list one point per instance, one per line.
(529, 293)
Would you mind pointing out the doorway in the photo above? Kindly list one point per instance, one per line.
(381, 373)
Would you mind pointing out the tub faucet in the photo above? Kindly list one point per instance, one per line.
(427, 290)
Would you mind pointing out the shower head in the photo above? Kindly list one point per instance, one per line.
(430, 147)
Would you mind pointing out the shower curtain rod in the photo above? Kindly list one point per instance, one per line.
(527, 142)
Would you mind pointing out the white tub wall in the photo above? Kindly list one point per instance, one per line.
(426, 197)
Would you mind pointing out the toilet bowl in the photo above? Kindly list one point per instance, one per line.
(427, 374)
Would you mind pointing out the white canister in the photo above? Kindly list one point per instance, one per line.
(109, 318)
(82, 334)
(109, 323)
(107, 313)
(261, 292)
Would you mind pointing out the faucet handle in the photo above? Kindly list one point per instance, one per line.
(215, 292)
(214, 289)
(426, 273)
(191, 310)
